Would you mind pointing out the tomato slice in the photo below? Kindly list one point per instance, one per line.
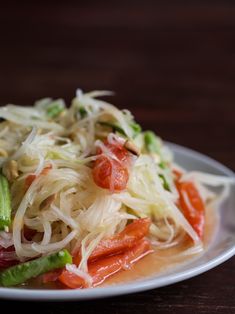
(192, 206)
(106, 267)
(120, 242)
(118, 151)
(110, 174)
(111, 171)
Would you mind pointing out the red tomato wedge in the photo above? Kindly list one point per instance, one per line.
(110, 174)
(192, 206)
(31, 177)
(106, 267)
(118, 151)
(119, 242)
(111, 171)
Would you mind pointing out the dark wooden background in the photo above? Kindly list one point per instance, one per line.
(171, 62)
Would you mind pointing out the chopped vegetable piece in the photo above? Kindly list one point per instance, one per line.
(111, 172)
(119, 242)
(118, 152)
(192, 206)
(152, 142)
(104, 268)
(152, 145)
(136, 128)
(21, 273)
(55, 108)
(162, 165)
(82, 111)
(165, 183)
(5, 203)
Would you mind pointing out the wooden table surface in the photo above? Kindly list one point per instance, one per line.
(171, 62)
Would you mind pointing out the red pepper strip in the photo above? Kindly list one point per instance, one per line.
(104, 268)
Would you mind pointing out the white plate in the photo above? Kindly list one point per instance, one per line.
(222, 248)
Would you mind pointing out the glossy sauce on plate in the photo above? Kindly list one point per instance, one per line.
(159, 262)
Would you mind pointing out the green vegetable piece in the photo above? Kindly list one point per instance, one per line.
(116, 128)
(55, 108)
(152, 143)
(136, 128)
(5, 203)
(162, 165)
(21, 273)
(82, 111)
(166, 186)
(165, 183)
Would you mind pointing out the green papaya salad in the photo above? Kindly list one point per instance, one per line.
(85, 193)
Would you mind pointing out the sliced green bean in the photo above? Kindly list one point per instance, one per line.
(5, 203)
(19, 274)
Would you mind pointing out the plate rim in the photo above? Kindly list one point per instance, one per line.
(136, 286)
